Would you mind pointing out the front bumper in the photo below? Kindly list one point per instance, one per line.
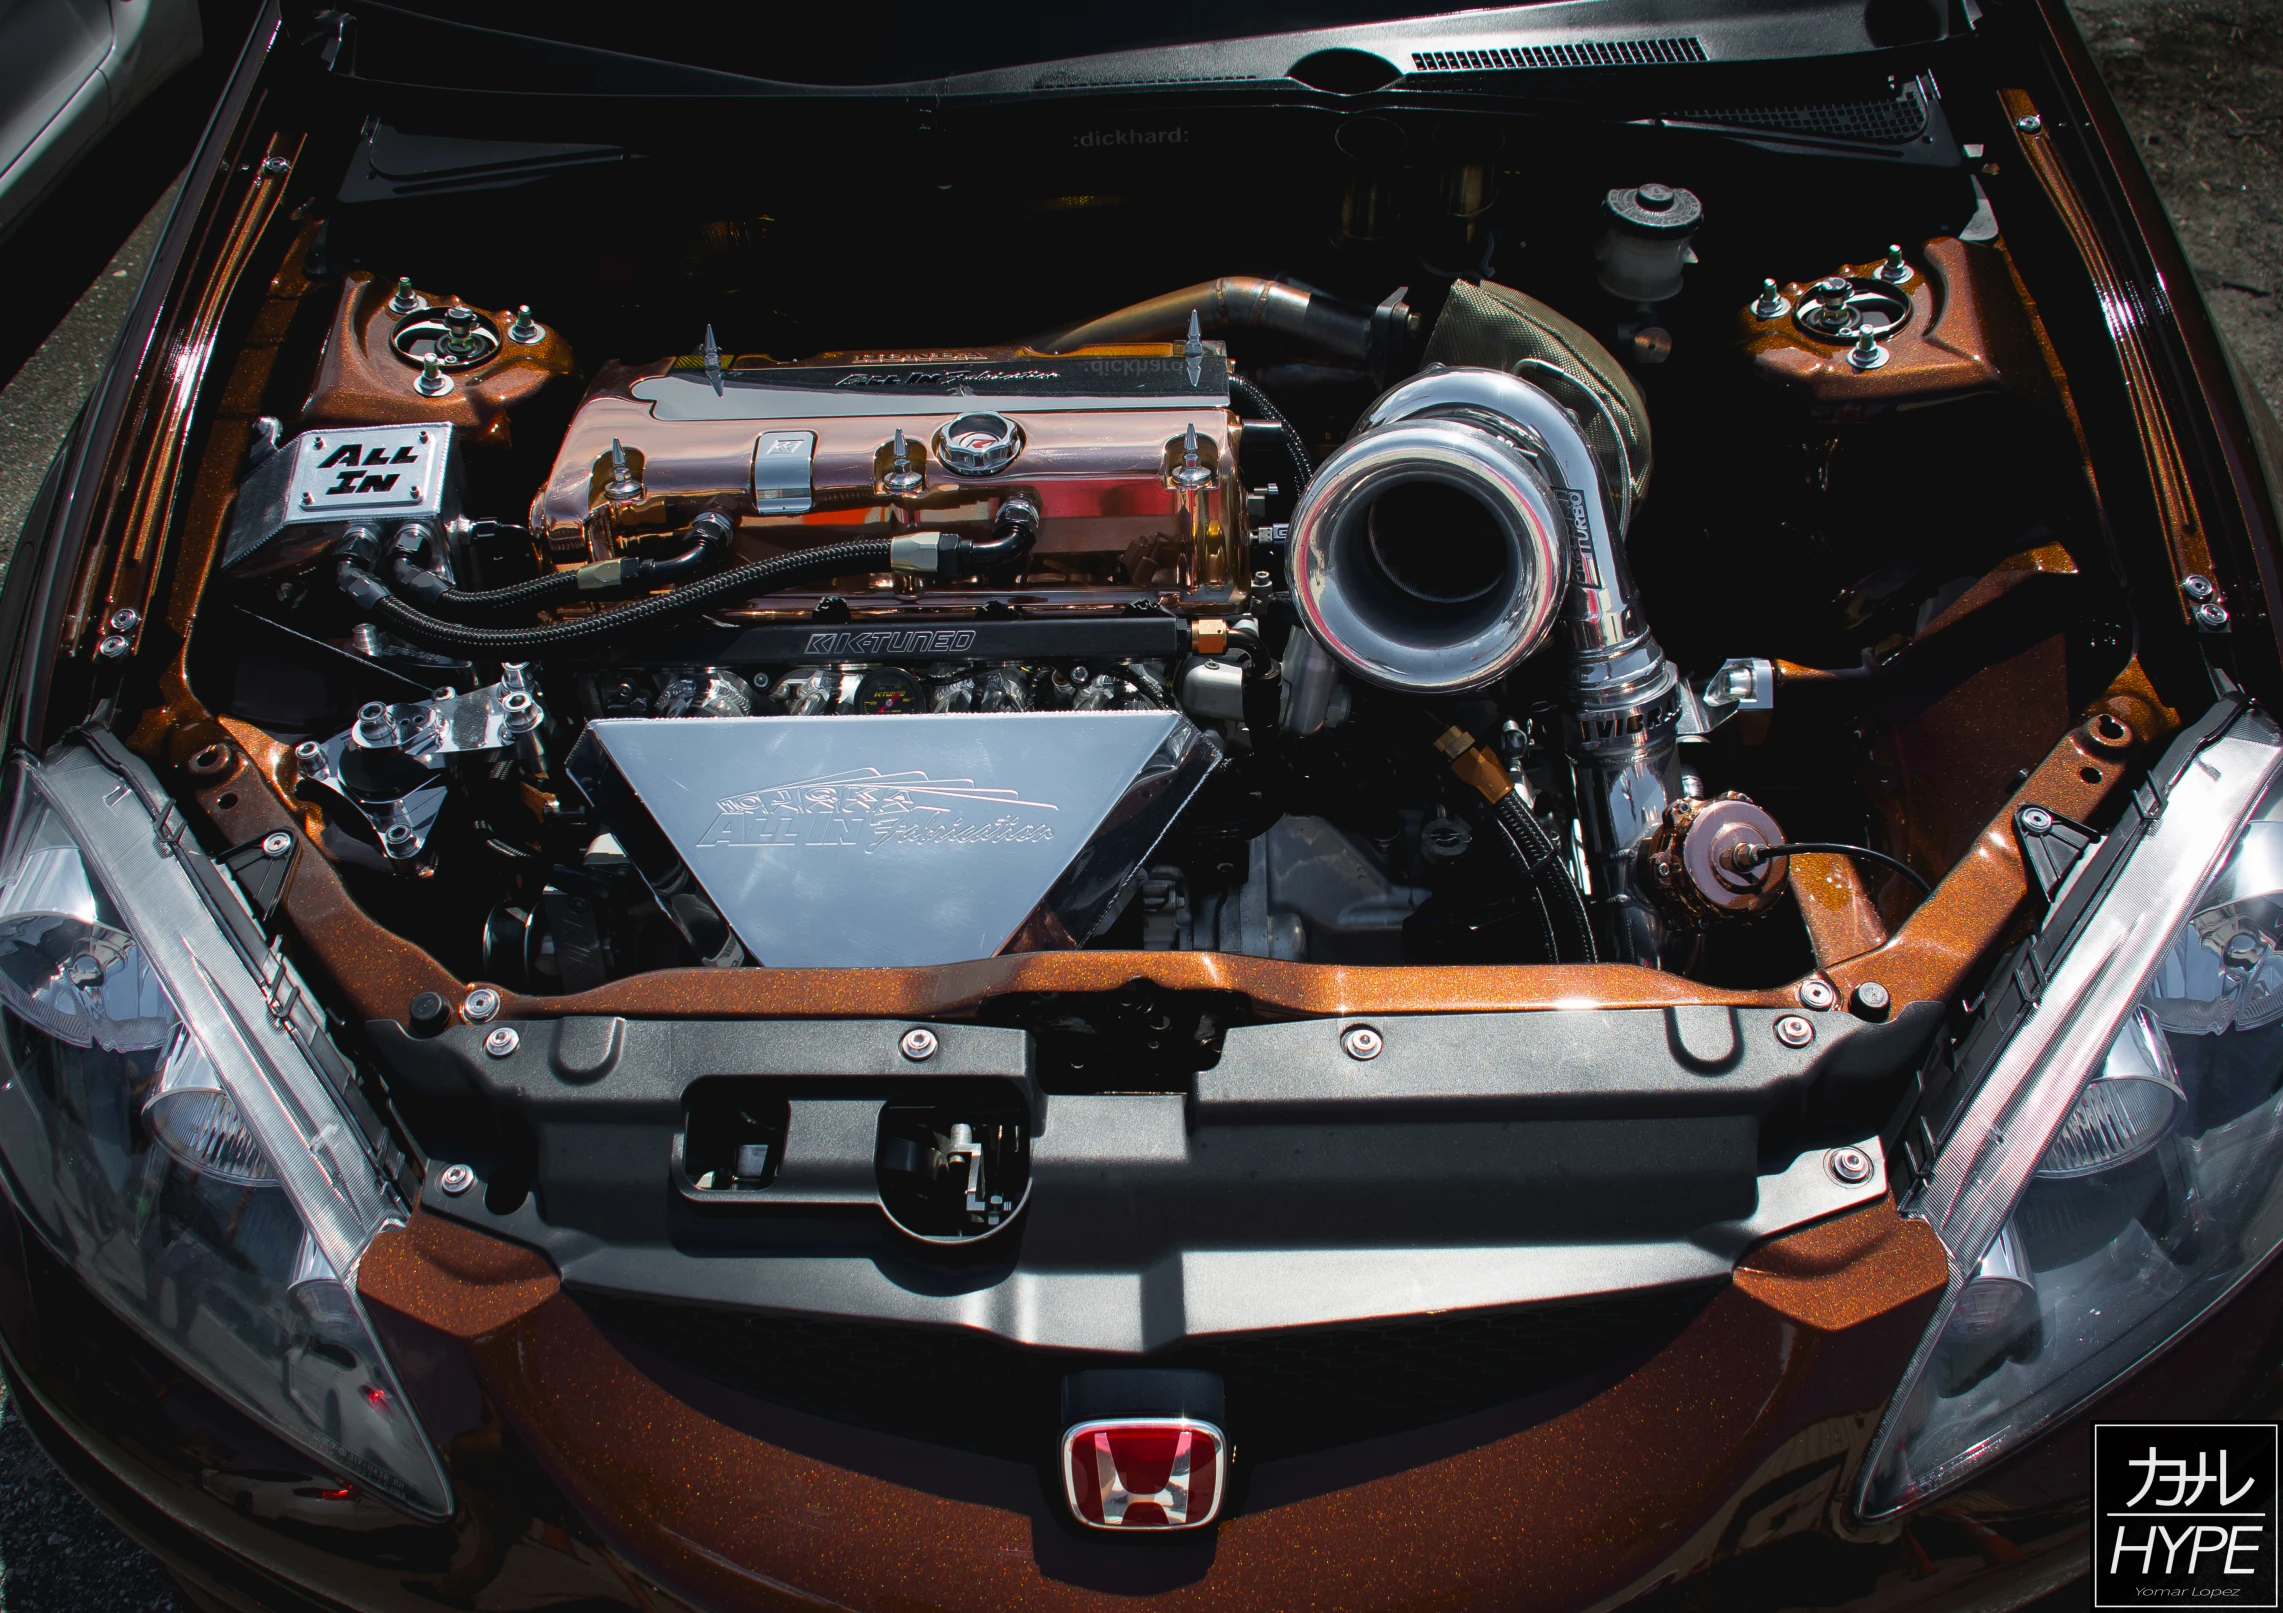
(1710, 1473)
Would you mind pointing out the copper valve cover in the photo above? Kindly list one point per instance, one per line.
(1098, 441)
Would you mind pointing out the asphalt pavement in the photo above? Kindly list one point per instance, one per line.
(2201, 85)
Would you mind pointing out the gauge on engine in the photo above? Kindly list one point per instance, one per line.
(889, 688)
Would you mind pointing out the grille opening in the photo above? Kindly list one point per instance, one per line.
(1290, 1393)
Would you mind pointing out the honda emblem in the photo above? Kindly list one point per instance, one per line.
(1145, 1472)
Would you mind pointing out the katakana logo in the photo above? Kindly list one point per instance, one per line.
(2184, 1512)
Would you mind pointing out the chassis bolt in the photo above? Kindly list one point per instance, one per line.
(114, 646)
(1818, 994)
(1793, 1030)
(2197, 586)
(2036, 820)
(2029, 123)
(502, 1041)
(1850, 1165)
(481, 1004)
(1362, 1042)
(456, 1179)
(126, 619)
(919, 1044)
(2210, 614)
(276, 843)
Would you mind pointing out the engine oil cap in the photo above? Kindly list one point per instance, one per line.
(979, 444)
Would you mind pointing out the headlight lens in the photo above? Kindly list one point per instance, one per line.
(175, 1126)
(2119, 1168)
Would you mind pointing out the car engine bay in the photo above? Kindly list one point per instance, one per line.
(1350, 729)
(1348, 615)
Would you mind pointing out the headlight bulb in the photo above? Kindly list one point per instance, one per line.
(195, 1121)
(2124, 1110)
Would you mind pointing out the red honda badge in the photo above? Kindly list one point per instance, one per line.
(1145, 1472)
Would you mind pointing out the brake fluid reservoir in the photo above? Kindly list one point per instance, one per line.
(1646, 244)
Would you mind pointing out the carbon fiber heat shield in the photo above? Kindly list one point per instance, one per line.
(850, 842)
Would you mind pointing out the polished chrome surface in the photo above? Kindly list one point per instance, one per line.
(797, 466)
(1432, 551)
(784, 473)
(1621, 697)
(904, 839)
(981, 444)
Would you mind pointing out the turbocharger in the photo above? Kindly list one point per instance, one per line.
(1432, 551)
(1443, 543)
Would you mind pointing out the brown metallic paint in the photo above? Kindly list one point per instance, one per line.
(1841, 918)
(1945, 351)
(1975, 908)
(362, 382)
(1786, 1369)
(1969, 915)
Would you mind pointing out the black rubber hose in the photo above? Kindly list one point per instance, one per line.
(764, 576)
(1265, 406)
(1573, 931)
(1013, 535)
(552, 589)
(710, 535)
(1765, 854)
(1533, 893)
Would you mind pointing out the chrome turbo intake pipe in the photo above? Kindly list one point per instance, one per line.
(1463, 524)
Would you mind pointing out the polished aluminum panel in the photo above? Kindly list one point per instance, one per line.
(297, 498)
(905, 839)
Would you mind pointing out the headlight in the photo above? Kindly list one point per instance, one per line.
(175, 1124)
(2104, 1151)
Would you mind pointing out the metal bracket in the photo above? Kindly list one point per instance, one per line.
(1743, 683)
(2052, 847)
